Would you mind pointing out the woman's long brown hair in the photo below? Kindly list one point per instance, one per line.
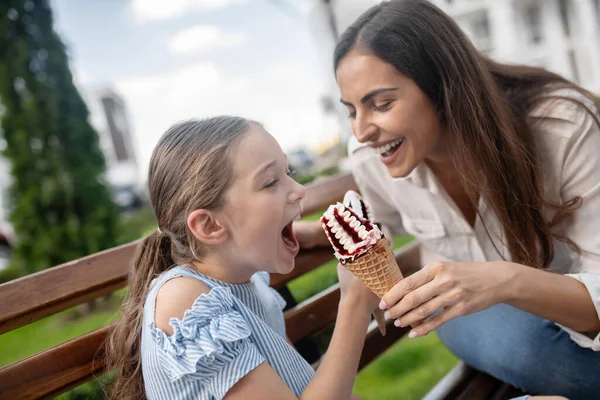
(189, 169)
(484, 105)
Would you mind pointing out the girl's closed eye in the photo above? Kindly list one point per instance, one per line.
(271, 183)
(289, 171)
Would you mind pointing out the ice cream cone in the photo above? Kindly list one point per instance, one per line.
(361, 247)
(378, 270)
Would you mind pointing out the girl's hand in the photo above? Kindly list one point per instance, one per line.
(456, 289)
(352, 289)
(310, 234)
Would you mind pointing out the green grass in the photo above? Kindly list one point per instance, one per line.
(137, 224)
(54, 330)
(407, 370)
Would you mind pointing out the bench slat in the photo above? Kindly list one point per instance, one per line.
(312, 315)
(45, 293)
(452, 384)
(481, 387)
(56, 370)
(327, 191)
(464, 383)
(506, 391)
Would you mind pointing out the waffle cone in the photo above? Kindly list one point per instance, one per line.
(378, 270)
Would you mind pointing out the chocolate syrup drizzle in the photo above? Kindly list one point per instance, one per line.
(337, 245)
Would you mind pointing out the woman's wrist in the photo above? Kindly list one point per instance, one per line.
(310, 234)
(321, 239)
(513, 282)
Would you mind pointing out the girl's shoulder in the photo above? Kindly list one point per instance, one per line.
(206, 335)
(175, 297)
(176, 292)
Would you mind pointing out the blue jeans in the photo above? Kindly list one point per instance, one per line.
(529, 352)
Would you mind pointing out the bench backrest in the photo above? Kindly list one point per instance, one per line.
(70, 364)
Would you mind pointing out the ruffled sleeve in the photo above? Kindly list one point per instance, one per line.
(211, 344)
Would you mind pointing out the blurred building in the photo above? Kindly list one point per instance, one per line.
(108, 115)
(562, 36)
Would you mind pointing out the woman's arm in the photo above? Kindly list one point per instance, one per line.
(461, 288)
(558, 298)
(310, 234)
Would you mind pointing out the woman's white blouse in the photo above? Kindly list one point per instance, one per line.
(568, 140)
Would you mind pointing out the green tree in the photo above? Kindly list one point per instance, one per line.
(61, 208)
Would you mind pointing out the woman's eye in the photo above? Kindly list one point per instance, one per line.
(382, 107)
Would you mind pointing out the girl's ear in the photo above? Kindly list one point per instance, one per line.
(206, 228)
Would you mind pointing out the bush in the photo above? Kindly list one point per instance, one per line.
(8, 274)
(60, 206)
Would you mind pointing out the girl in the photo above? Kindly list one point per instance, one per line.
(200, 320)
(495, 169)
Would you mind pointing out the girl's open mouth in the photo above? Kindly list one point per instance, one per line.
(289, 239)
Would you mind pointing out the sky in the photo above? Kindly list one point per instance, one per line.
(179, 59)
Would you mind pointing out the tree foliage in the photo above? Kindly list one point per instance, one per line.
(61, 208)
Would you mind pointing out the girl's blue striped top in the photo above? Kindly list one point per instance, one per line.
(226, 334)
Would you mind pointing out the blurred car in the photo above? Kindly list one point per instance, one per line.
(128, 197)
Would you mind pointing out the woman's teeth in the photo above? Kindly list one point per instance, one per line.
(388, 147)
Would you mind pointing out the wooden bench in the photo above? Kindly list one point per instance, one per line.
(61, 368)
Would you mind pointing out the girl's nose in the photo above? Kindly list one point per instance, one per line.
(298, 193)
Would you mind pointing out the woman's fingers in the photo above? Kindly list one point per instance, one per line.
(420, 313)
(406, 286)
(438, 301)
(417, 299)
(436, 321)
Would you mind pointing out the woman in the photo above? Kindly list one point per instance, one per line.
(495, 169)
